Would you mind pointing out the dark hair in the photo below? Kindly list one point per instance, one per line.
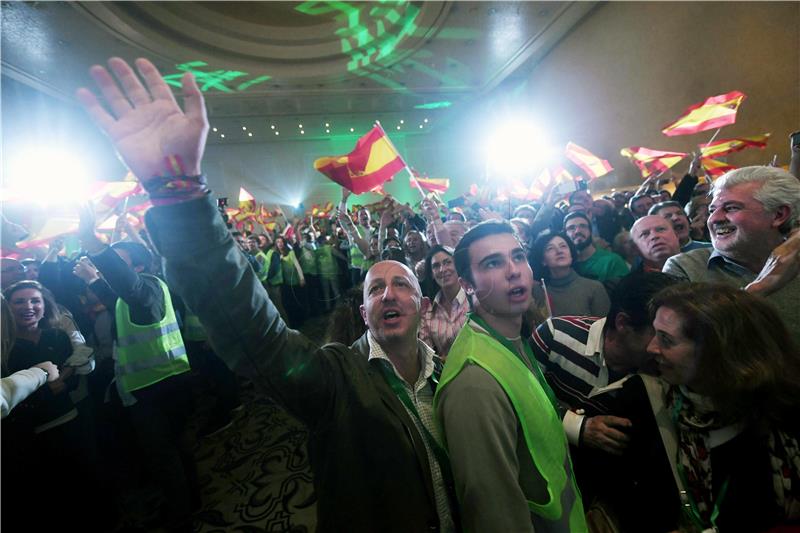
(345, 324)
(577, 214)
(477, 232)
(429, 259)
(51, 315)
(748, 364)
(393, 254)
(663, 205)
(573, 193)
(632, 296)
(635, 199)
(286, 246)
(140, 255)
(536, 256)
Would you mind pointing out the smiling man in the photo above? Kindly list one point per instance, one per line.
(673, 212)
(508, 450)
(754, 210)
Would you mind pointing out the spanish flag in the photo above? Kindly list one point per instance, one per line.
(429, 184)
(373, 162)
(321, 211)
(728, 146)
(713, 112)
(714, 167)
(589, 163)
(247, 202)
(650, 161)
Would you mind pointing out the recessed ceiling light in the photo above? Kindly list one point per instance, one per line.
(420, 126)
(214, 130)
(244, 128)
(327, 125)
(302, 132)
(398, 127)
(402, 121)
(222, 135)
(249, 133)
(272, 126)
(352, 129)
(425, 120)
(277, 133)
(327, 131)
(300, 126)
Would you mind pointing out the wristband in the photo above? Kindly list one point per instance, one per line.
(170, 189)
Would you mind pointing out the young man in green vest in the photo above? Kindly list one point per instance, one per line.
(151, 365)
(508, 450)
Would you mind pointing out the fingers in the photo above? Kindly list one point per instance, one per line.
(130, 82)
(193, 103)
(97, 112)
(616, 421)
(110, 90)
(155, 83)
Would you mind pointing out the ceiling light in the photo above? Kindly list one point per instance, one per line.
(327, 125)
(277, 133)
(352, 130)
(300, 126)
(272, 126)
(222, 135)
(249, 133)
(214, 130)
(302, 132)
(402, 121)
(425, 120)
(420, 126)
(398, 127)
(327, 131)
(244, 128)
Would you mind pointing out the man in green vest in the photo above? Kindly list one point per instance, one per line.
(151, 366)
(508, 450)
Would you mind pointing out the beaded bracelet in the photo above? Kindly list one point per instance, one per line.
(172, 186)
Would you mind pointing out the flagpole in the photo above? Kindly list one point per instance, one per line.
(405, 165)
(713, 137)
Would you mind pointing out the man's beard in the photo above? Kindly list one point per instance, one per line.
(583, 245)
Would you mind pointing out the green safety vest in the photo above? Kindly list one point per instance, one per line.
(308, 261)
(356, 257)
(277, 278)
(326, 262)
(262, 276)
(541, 424)
(290, 275)
(193, 329)
(148, 354)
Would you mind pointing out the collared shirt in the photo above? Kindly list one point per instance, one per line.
(421, 396)
(441, 323)
(570, 351)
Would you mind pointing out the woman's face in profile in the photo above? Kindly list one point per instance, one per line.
(675, 354)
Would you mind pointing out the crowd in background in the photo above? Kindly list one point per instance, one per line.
(630, 285)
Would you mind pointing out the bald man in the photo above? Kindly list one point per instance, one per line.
(656, 240)
(376, 457)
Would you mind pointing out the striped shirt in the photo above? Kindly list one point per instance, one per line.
(421, 396)
(441, 323)
(570, 351)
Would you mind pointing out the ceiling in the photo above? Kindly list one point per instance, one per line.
(278, 71)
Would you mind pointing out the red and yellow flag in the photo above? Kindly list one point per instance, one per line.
(714, 167)
(321, 211)
(429, 184)
(589, 163)
(728, 146)
(650, 161)
(713, 112)
(247, 202)
(372, 162)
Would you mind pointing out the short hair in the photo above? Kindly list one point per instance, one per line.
(779, 188)
(748, 362)
(663, 205)
(577, 214)
(635, 199)
(536, 256)
(52, 314)
(140, 255)
(477, 232)
(429, 258)
(524, 207)
(579, 191)
(632, 296)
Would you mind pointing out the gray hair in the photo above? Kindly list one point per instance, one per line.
(779, 188)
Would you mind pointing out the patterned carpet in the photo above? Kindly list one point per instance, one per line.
(255, 475)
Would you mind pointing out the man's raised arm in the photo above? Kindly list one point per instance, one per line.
(163, 146)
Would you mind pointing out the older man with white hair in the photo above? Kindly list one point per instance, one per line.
(755, 212)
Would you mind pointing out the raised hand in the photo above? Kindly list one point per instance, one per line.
(694, 166)
(146, 125)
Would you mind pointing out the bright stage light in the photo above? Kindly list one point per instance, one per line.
(517, 149)
(47, 176)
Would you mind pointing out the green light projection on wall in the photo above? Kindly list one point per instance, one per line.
(434, 105)
(213, 80)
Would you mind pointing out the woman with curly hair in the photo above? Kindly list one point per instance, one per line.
(727, 407)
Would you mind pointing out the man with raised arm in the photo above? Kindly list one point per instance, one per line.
(376, 456)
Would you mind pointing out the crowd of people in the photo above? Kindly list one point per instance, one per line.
(629, 362)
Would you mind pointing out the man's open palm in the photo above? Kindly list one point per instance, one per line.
(147, 125)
